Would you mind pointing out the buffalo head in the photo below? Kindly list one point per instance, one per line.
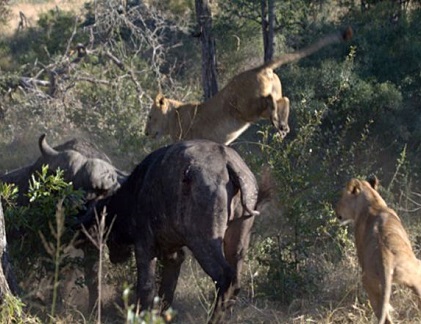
(96, 176)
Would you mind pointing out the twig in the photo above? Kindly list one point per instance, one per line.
(101, 233)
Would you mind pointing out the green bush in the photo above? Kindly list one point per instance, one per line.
(24, 225)
(310, 167)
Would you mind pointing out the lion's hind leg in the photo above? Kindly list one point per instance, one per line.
(413, 280)
(417, 291)
(376, 293)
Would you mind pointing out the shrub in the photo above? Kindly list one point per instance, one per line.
(24, 225)
(310, 166)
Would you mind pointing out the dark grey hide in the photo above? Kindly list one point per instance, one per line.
(88, 168)
(83, 164)
(197, 194)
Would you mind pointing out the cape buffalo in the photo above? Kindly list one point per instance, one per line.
(196, 194)
(83, 164)
(88, 169)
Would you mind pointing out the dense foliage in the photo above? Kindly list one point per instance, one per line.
(356, 107)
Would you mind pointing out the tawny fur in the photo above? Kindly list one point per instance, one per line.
(383, 247)
(252, 95)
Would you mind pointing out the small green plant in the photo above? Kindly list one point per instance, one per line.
(12, 312)
(133, 315)
(38, 233)
(11, 309)
(45, 191)
(55, 250)
(8, 193)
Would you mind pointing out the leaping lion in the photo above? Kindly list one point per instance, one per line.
(383, 247)
(252, 95)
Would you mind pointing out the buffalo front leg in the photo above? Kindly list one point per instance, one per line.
(146, 265)
(170, 272)
(90, 267)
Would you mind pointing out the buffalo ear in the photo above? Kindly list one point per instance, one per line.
(353, 186)
(373, 181)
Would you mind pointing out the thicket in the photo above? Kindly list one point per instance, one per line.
(355, 107)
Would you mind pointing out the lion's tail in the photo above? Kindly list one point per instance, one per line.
(327, 40)
(386, 292)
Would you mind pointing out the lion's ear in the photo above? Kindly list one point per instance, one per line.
(373, 181)
(161, 102)
(159, 99)
(353, 186)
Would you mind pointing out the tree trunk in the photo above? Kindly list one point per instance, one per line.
(204, 21)
(268, 26)
(8, 283)
(363, 5)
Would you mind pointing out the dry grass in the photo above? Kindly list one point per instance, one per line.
(340, 300)
(343, 300)
(32, 11)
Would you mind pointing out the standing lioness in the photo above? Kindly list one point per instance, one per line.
(383, 248)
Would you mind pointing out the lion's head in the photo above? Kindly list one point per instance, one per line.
(357, 197)
(157, 122)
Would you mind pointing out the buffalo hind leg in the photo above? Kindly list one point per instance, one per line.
(146, 264)
(236, 242)
(210, 256)
(170, 272)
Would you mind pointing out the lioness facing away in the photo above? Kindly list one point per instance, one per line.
(383, 248)
(252, 95)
